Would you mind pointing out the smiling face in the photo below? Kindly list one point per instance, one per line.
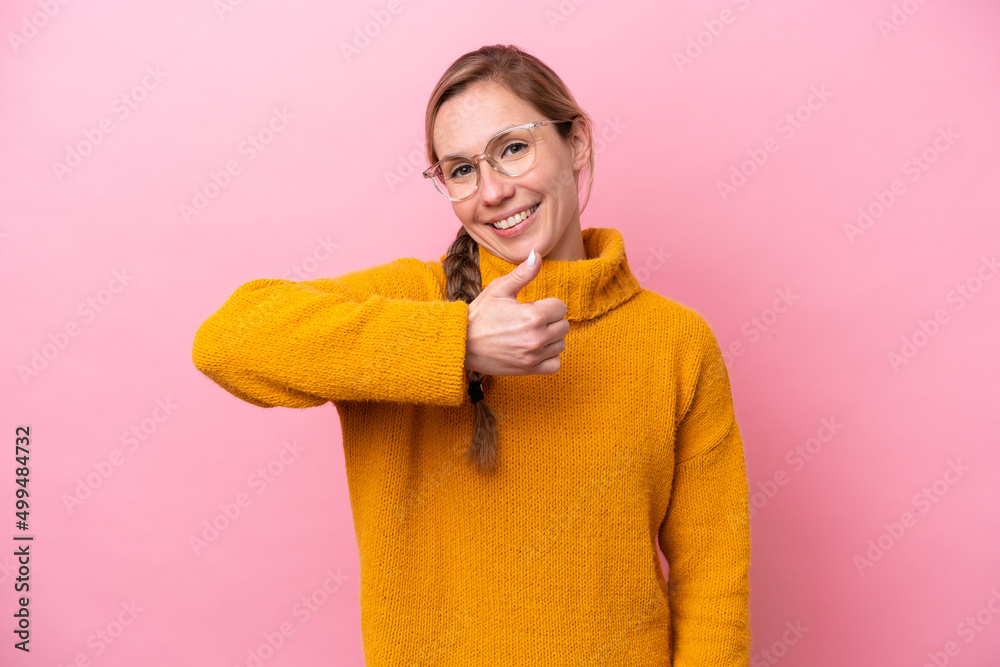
(465, 124)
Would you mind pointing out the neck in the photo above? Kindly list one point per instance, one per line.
(570, 247)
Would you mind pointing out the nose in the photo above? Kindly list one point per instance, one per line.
(493, 187)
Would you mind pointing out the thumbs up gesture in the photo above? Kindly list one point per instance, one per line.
(507, 337)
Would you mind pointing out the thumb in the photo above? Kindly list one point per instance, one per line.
(522, 274)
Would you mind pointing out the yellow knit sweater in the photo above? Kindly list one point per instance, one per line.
(552, 560)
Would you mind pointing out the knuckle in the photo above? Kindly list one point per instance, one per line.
(536, 318)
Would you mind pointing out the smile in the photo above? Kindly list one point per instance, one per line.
(515, 219)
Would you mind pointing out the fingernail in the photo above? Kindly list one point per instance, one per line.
(531, 258)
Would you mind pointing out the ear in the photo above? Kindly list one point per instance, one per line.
(580, 141)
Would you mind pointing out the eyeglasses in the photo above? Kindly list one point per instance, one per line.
(511, 153)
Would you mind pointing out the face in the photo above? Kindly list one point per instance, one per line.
(465, 124)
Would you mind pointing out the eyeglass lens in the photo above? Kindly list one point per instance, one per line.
(511, 153)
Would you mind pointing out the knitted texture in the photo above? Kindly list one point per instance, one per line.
(552, 559)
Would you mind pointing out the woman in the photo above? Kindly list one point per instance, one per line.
(513, 463)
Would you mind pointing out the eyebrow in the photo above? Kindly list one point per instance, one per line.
(507, 127)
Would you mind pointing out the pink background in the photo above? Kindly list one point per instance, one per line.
(335, 187)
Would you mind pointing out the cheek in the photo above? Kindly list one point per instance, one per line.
(545, 181)
(561, 182)
(463, 211)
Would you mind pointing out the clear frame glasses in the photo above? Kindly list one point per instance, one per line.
(511, 152)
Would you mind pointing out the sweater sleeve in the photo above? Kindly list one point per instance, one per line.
(705, 535)
(379, 334)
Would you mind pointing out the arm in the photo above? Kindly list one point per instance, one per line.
(383, 333)
(706, 533)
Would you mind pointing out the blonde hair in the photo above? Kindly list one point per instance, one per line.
(534, 82)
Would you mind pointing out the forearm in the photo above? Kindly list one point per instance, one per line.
(276, 342)
(706, 539)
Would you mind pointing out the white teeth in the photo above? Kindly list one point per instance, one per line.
(514, 219)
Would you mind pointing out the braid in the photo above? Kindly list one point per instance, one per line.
(463, 282)
(535, 83)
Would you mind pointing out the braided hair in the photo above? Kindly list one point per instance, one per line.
(534, 82)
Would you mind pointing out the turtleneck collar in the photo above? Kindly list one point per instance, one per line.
(589, 287)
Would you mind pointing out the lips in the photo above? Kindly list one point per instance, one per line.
(523, 227)
(520, 217)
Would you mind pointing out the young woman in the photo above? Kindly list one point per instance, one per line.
(522, 423)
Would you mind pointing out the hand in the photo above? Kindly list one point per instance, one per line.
(507, 337)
